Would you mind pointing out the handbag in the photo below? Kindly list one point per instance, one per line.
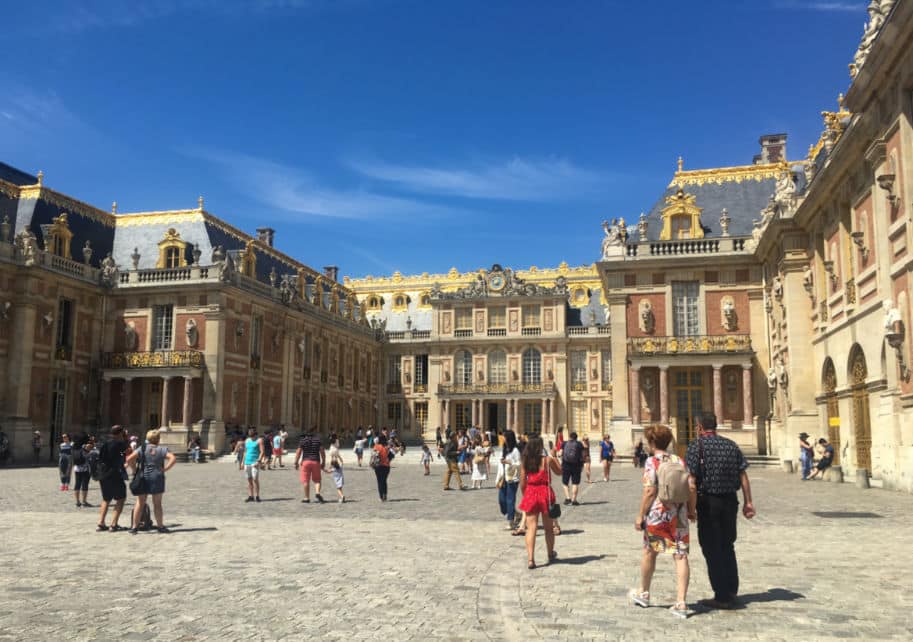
(138, 483)
(554, 508)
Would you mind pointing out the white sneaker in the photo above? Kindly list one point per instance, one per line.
(681, 610)
(640, 598)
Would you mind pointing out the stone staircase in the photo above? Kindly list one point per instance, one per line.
(763, 461)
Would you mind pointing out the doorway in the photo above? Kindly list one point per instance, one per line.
(833, 408)
(862, 429)
(496, 416)
(153, 398)
(688, 392)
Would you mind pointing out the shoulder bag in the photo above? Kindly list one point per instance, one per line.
(554, 508)
(138, 483)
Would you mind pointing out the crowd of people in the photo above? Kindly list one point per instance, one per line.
(677, 491)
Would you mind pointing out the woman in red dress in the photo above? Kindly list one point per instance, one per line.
(535, 483)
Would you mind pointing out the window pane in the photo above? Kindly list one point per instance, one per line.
(464, 367)
(162, 327)
(497, 317)
(497, 367)
(685, 319)
(578, 366)
(532, 366)
(463, 318)
(530, 316)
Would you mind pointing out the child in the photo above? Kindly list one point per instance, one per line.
(479, 473)
(336, 468)
(426, 459)
(360, 448)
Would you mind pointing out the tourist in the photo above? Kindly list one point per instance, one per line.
(426, 459)
(664, 525)
(381, 465)
(65, 461)
(283, 434)
(266, 460)
(277, 449)
(479, 469)
(239, 453)
(36, 447)
(586, 458)
(152, 461)
(535, 482)
(640, 454)
(111, 476)
(253, 453)
(719, 468)
(360, 443)
(335, 468)
(82, 472)
(806, 455)
(571, 466)
(606, 456)
(465, 451)
(439, 442)
(827, 459)
(311, 458)
(508, 479)
(195, 447)
(452, 453)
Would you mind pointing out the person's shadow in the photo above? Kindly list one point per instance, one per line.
(770, 595)
(582, 559)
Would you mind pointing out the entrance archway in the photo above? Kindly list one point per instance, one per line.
(862, 429)
(829, 383)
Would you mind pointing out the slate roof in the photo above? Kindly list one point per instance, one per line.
(16, 176)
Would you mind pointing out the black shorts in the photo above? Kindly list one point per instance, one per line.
(113, 489)
(571, 473)
(823, 465)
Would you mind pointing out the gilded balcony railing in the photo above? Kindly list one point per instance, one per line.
(496, 388)
(702, 344)
(157, 359)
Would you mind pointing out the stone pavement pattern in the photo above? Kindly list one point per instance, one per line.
(433, 565)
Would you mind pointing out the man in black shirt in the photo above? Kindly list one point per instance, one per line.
(719, 470)
(111, 475)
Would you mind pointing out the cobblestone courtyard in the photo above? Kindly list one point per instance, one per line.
(433, 565)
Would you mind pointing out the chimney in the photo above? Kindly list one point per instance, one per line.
(332, 273)
(773, 149)
(265, 235)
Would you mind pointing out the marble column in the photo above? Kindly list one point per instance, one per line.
(474, 413)
(445, 420)
(718, 392)
(510, 416)
(544, 428)
(748, 417)
(126, 401)
(635, 395)
(664, 394)
(165, 409)
(188, 402)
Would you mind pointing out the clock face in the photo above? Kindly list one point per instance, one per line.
(496, 282)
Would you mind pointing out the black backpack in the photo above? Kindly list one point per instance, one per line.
(572, 452)
(79, 456)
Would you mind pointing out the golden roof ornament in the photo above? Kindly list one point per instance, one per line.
(114, 207)
(40, 177)
(680, 163)
(200, 203)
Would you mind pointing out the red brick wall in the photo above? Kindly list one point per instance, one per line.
(715, 316)
(658, 301)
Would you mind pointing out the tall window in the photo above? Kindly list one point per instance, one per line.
(395, 414)
(463, 360)
(421, 369)
(64, 347)
(162, 326)
(530, 316)
(606, 417)
(685, 318)
(532, 366)
(463, 320)
(421, 417)
(497, 367)
(306, 351)
(256, 336)
(462, 414)
(578, 368)
(606, 356)
(532, 418)
(578, 417)
(497, 317)
(394, 369)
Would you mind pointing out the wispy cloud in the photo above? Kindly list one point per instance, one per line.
(517, 179)
(297, 191)
(371, 257)
(853, 7)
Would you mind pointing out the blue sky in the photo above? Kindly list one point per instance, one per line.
(383, 135)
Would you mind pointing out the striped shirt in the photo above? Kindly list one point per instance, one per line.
(310, 448)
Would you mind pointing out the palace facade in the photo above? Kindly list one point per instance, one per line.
(776, 294)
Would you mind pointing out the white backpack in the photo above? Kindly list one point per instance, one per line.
(672, 479)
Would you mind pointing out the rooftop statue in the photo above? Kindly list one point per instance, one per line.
(614, 240)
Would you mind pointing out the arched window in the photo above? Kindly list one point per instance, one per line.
(424, 301)
(532, 366)
(463, 361)
(497, 367)
(374, 303)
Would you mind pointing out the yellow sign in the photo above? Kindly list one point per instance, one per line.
(834, 422)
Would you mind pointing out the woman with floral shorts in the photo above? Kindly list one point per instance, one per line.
(665, 526)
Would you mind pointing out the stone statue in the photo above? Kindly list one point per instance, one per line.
(782, 375)
(892, 317)
(226, 268)
(273, 277)
(129, 336)
(135, 257)
(87, 252)
(28, 246)
(772, 379)
(776, 288)
(613, 241)
(561, 286)
(218, 254)
(606, 310)
(193, 335)
(5, 229)
(725, 220)
(108, 271)
(647, 319)
(729, 316)
(436, 291)
(878, 11)
(642, 227)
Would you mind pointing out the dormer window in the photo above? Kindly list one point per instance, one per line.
(681, 218)
(172, 250)
(172, 257)
(374, 302)
(400, 302)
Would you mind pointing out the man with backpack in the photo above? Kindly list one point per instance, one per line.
(571, 466)
(719, 469)
(111, 475)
